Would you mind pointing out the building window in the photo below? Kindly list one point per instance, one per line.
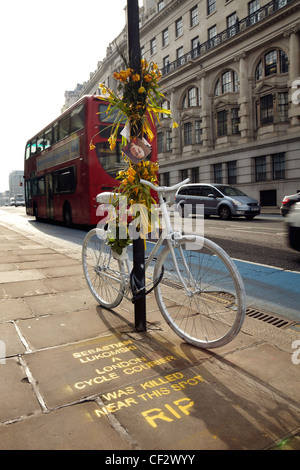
(178, 28)
(253, 8)
(165, 37)
(179, 56)
(228, 82)
(218, 178)
(211, 6)
(270, 63)
(198, 132)
(160, 142)
(278, 163)
(274, 62)
(283, 107)
(212, 33)
(165, 105)
(153, 46)
(232, 24)
(235, 120)
(165, 179)
(222, 123)
(195, 47)
(166, 63)
(168, 141)
(184, 174)
(260, 169)
(160, 5)
(191, 98)
(194, 16)
(187, 134)
(195, 175)
(231, 172)
(266, 110)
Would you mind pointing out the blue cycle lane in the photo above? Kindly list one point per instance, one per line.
(271, 288)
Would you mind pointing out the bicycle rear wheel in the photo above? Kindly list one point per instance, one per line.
(102, 272)
(204, 300)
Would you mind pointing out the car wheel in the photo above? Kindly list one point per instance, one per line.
(224, 213)
(67, 215)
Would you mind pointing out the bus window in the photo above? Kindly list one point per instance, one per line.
(110, 160)
(65, 180)
(27, 151)
(64, 127)
(41, 186)
(33, 148)
(77, 118)
(40, 143)
(103, 117)
(48, 138)
(55, 133)
(34, 189)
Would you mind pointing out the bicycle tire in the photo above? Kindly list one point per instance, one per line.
(102, 272)
(211, 313)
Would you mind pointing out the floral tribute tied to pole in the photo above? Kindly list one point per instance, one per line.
(138, 102)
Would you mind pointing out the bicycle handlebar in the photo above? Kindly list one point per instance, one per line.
(164, 189)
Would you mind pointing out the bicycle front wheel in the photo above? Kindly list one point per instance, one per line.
(202, 295)
(104, 275)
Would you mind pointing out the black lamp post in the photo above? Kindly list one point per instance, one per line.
(138, 274)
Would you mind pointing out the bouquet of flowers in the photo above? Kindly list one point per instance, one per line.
(137, 101)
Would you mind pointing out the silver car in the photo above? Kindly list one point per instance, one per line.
(218, 199)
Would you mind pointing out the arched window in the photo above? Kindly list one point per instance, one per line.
(226, 83)
(273, 62)
(191, 98)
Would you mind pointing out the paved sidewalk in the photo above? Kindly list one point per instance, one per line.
(74, 376)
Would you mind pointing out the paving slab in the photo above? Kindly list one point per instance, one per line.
(56, 330)
(17, 290)
(12, 309)
(60, 302)
(99, 365)
(17, 398)
(11, 340)
(272, 366)
(208, 406)
(17, 276)
(73, 428)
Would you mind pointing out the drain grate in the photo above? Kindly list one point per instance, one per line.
(267, 317)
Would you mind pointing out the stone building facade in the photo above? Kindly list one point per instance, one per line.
(231, 77)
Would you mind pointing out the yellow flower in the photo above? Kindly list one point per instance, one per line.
(141, 90)
(174, 125)
(147, 78)
(130, 178)
(112, 142)
(92, 146)
(136, 77)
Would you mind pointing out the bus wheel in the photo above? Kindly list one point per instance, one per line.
(67, 215)
(35, 212)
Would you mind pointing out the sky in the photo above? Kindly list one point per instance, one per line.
(47, 47)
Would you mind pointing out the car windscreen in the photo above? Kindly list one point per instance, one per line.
(230, 191)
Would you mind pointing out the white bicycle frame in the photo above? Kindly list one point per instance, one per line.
(169, 234)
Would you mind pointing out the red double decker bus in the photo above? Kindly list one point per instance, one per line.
(62, 174)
